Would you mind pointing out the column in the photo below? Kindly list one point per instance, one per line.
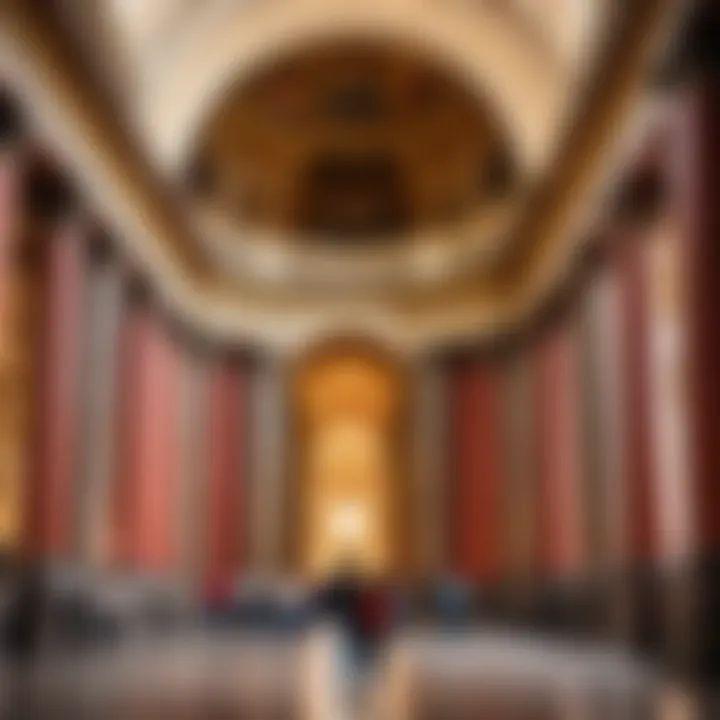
(631, 267)
(591, 433)
(559, 455)
(98, 398)
(593, 458)
(611, 508)
(694, 179)
(149, 435)
(11, 201)
(15, 330)
(227, 456)
(194, 437)
(476, 467)
(561, 550)
(269, 434)
(670, 438)
(429, 454)
(520, 488)
(51, 530)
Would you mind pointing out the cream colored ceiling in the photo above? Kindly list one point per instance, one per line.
(564, 25)
(176, 60)
(179, 56)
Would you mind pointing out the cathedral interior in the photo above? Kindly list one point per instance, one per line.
(359, 360)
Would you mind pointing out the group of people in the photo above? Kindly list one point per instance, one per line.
(363, 610)
(22, 609)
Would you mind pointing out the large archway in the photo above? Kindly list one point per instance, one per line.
(350, 469)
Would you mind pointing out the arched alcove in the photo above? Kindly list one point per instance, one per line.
(349, 474)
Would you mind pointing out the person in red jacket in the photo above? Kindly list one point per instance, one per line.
(374, 618)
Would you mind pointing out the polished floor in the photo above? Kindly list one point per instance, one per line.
(420, 675)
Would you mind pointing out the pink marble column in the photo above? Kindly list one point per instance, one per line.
(670, 457)
(149, 474)
(55, 447)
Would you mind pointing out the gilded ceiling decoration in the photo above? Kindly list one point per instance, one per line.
(351, 142)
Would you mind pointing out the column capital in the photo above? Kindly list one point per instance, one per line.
(137, 292)
(50, 196)
(641, 199)
(12, 123)
(694, 53)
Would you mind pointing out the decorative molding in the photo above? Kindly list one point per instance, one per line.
(111, 171)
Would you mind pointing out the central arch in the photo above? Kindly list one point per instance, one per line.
(349, 471)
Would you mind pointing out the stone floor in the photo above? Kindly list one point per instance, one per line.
(420, 675)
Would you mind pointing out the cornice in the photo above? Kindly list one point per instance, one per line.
(119, 184)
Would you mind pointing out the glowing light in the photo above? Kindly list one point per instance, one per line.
(348, 522)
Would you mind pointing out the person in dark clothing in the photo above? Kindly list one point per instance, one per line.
(341, 603)
(24, 620)
(340, 597)
(362, 610)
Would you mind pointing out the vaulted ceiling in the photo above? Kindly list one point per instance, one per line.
(235, 147)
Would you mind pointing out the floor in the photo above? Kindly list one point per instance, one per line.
(420, 675)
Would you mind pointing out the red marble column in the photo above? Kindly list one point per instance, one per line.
(695, 182)
(561, 550)
(149, 474)
(694, 179)
(475, 456)
(128, 404)
(227, 450)
(519, 481)
(631, 266)
(54, 449)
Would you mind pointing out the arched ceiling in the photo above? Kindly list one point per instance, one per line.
(548, 82)
(187, 76)
(358, 155)
(350, 142)
(181, 56)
